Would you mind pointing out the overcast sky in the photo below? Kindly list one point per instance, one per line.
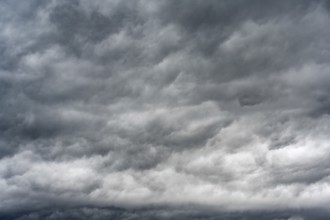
(164, 109)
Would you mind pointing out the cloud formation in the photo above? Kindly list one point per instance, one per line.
(131, 109)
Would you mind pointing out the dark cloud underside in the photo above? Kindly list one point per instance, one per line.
(220, 109)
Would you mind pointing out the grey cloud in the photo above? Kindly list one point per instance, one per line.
(75, 27)
(221, 105)
(117, 213)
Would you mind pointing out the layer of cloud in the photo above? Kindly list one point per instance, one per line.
(216, 104)
(163, 214)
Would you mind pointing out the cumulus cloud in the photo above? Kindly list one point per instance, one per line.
(167, 109)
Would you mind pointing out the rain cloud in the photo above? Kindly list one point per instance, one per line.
(169, 109)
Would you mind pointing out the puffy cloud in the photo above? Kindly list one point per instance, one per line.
(219, 108)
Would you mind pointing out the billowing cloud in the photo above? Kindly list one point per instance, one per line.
(164, 109)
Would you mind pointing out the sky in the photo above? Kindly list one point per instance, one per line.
(165, 109)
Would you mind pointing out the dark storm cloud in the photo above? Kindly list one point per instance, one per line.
(151, 214)
(215, 104)
(75, 27)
